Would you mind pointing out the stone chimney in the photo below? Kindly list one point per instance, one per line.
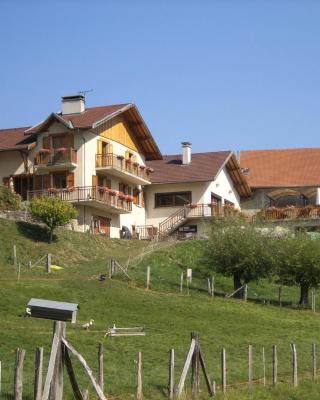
(186, 153)
(74, 104)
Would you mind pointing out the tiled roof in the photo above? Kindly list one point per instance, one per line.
(281, 167)
(203, 167)
(91, 115)
(15, 139)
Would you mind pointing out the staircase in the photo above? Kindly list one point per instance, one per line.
(172, 223)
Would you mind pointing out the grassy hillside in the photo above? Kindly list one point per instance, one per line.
(168, 315)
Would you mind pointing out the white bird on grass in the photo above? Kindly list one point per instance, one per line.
(88, 324)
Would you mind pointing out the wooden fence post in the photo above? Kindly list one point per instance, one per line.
(212, 286)
(18, 375)
(100, 370)
(171, 375)
(214, 388)
(195, 365)
(48, 263)
(57, 379)
(314, 361)
(280, 296)
(139, 377)
(209, 287)
(38, 367)
(14, 255)
(245, 292)
(181, 282)
(19, 270)
(148, 278)
(263, 367)
(294, 365)
(223, 370)
(250, 375)
(29, 264)
(274, 365)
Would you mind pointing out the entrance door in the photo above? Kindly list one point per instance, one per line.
(101, 225)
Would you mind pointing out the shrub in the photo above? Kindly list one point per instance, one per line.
(53, 212)
(9, 200)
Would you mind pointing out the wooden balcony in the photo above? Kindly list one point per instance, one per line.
(306, 213)
(120, 167)
(94, 196)
(56, 159)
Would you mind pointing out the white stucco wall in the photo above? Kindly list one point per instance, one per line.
(223, 187)
(201, 193)
(155, 215)
(10, 164)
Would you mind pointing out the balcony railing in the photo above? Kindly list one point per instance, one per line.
(289, 213)
(122, 164)
(86, 194)
(56, 156)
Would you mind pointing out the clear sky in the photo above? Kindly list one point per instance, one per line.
(225, 75)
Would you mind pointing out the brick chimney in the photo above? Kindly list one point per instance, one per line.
(186, 153)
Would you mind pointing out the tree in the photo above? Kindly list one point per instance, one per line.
(239, 249)
(298, 262)
(9, 200)
(53, 212)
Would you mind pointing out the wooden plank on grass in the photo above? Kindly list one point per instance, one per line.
(72, 377)
(38, 368)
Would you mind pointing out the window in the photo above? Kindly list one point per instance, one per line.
(58, 142)
(175, 199)
(59, 180)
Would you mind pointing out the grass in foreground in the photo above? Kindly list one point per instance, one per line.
(168, 316)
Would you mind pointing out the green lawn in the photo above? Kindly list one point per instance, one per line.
(168, 315)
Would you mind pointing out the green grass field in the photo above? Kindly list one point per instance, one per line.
(168, 315)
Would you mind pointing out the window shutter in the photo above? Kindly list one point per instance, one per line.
(70, 179)
(38, 182)
(121, 187)
(135, 196)
(142, 198)
(108, 183)
(94, 180)
(46, 181)
(99, 146)
(69, 141)
(46, 142)
(110, 148)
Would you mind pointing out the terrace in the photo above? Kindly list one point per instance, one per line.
(56, 158)
(95, 196)
(121, 167)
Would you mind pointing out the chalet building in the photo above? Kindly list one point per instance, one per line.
(281, 178)
(105, 161)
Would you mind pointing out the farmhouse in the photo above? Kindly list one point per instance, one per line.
(105, 161)
(285, 179)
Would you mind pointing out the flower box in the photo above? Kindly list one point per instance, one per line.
(45, 151)
(113, 192)
(129, 198)
(136, 164)
(61, 150)
(142, 167)
(122, 196)
(53, 190)
(192, 205)
(150, 170)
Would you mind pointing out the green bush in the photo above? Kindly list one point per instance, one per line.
(9, 200)
(53, 212)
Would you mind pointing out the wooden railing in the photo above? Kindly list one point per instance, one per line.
(148, 232)
(56, 156)
(289, 213)
(122, 164)
(84, 193)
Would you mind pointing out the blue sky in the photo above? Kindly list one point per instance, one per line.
(221, 74)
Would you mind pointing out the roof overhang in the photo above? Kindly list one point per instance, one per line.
(27, 147)
(42, 126)
(234, 170)
(139, 128)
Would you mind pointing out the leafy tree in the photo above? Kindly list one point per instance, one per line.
(53, 212)
(9, 200)
(298, 262)
(239, 249)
